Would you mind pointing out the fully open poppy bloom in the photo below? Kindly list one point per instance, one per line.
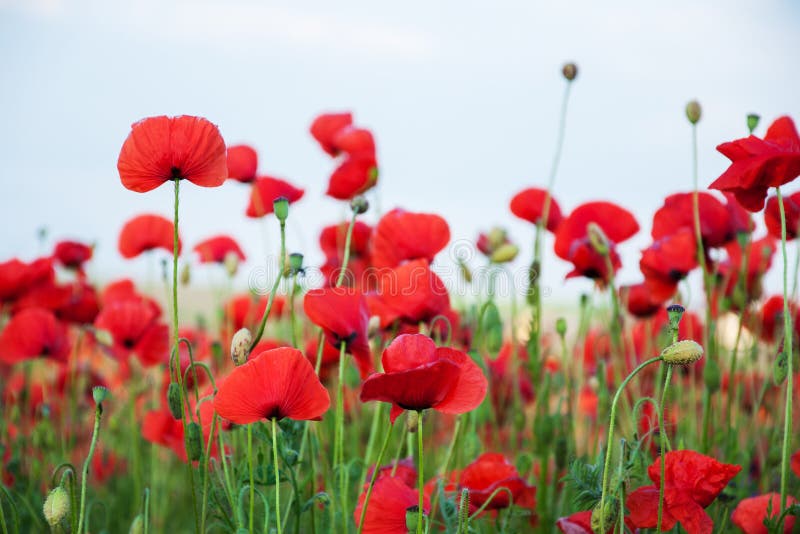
(72, 254)
(264, 192)
(242, 163)
(343, 316)
(692, 482)
(32, 333)
(146, 232)
(326, 127)
(411, 293)
(135, 330)
(668, 261)
(402, 235)
(758, 164)
(750, 513)
(216, 249)
(275, 384)
(528, 205)
(573, 244)
(388, 503)
(162, 149)
(418, 375)
(772, 216)
(490, 472)
(716, 226)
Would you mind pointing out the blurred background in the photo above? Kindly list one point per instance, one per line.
(463, 100)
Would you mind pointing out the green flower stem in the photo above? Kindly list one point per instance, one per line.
(374, 477)
(271, 299)
(446, 465)
(98, 412)
(251, 467)
(664, 445)
(277, 475)
(338, 443)
(346, 258)
(787, 350)
(609, 438)
(420, 477)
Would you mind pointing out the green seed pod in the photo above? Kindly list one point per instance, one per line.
(682, 352)
(56, 506)
(570, 71)
(359, 204)
(675, 313)
(504, 253)
(694, 111)
(561, 327)
(281, 207)
(711, 375)
(99, 394)
(752, 121)
(295, 263)
(194, 441)
(174, 400)
(780, 369)
(611, 513)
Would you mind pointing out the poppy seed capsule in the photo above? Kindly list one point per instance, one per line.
(561, 327)
(99, 394)
(752, 121)
(281, 207)
(231, 263)
(505, 253)
(359, 205)
(694, 111)
(570, 71)
(295, 263)
(240, 346)
(682, 352)
(56, 506)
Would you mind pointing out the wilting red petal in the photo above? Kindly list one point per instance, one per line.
(528, 205)
(277, 383)
(242, 163)
(401, 235)
(264, 192)
(215, 249)
(146, 232)
(31, 333)
(419, 388)
(750, 513)
(386, 510)
(325, 128)
(160, 149)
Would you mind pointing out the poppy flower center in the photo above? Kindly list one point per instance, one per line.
(592, 273)
(128, 343)
(676, 275)
(176, 173)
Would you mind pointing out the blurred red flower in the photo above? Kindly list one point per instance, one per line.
(411, 293)
(386, 511)
(326, 127)
(215, 249)
(135, 330)
(528, 205)
(31, 333)
(668, 261)
(491, 472)
(772, 216)
(146, 232)
(750, 513)
(72, 254)
(242, 163)
(402, 235)
(716, 224)
(264, 192)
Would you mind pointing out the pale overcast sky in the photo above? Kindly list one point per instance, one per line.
(462, 97)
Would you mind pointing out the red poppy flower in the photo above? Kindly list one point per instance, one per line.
(161, 428)
(216, 249)
(772, 216)
(668, 261)
(326, 127)
(692, 482)
(795, 463)
(244, 310)
(264, 192)
(135, 331)
(758, 164)
(343, 316)
(741, 220)
(276, 383)
(161, 149)
(242, 163)
(716, 226)
(72, 254)
(758, 255)
(572, 238)
(81, 304)
(331, 241)
(588, 401)
(749, 514)
(146, 232)
(388, 503)
(125, 289)
(355, 175)
(405, 470)
(490, 472)
(418, 376)
(402, 235)
(528, 205)
(638, 299)
(577, 523)
(32, 333)
(771, 319)
(505, 380)
(17, 277)
(411, 292)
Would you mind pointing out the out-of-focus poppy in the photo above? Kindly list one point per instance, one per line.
(639, 301)
(31, 333)
(402, 235)
(418, 375)
(17, 277)
(146, 232)
(388, 503)
(242, 163)
(264, 192)
(758, 164)
(528, 205)
(332, 240)
(244, 310)
(161, 149)
(758, 257)
(72, 254)
(491, 472)
(716, 226)
(355, 175)
(749, 514)
(216, 249)
(771, 318)
(411, 292)
(668, 261)
(772, 216)
(326, 127)
(135, 331)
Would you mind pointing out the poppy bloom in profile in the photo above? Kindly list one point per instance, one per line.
(274, 384)
(135, 330)
(668, 261)
(750, 513)
(758, 164)
(419, 375)
(144, 233)
(410, 293)
(355, 175)
(31, 333)
(490, 472)
(402, 235)
(332, 240)
(388, 503)
(264, 192)
(242, 163)
(692, 482)
(72, 254)
(639, 300)
(758, 255)
(772, 216)
(573, 243)
(343, 316)
(216, 249)
(771, 318)
(529, 203)
(326, 127)
(162, 149)
(716, 225)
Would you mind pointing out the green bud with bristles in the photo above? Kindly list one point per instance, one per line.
(682, 352)
(561, 327)
(611, 511)
(174, 400)
(694, 111)
(194, 441)
(56, 506)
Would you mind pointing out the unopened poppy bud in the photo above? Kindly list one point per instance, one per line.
(570, 71)
(186, 274)
(231, 263)
(194, 441)
(682, 352)
(780, 369)
(711, 375)
(174, 400)
(104, 337)
(561, 326)
(496, 237)
(694, 111)
(295, 263)
(240, 346)
(137, 525)
(290, 457)
(465, 270)
(56, 506)
(675, 313)
(752, 121)
(359, 204)
(412, 420)
(600, 525)
(373, 326)
(504, 253)
(281, 208)
(597, 238)
(412, 517)
(99, 394)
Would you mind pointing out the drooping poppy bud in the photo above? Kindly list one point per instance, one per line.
(174, 400)
(56, 506)
(240, 346)
(359, 204)
(194, 441)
